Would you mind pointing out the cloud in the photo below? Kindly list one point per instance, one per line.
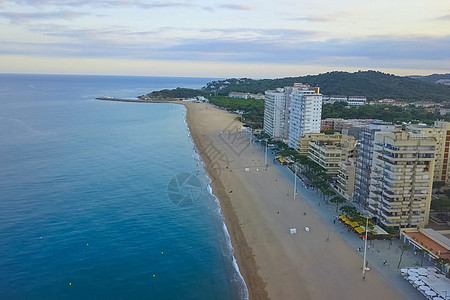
(22, 18)
(105, 3)
(444, 18)
(252, 45)
(315, 19)
(238, 7)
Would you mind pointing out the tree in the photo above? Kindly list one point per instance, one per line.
(438, 185)
(423, 252)
(403, 248)
(349, 211)
(328, 193)
(338, 200)
(441, 263)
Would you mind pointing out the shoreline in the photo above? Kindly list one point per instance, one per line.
(273, 263)
(242, 252)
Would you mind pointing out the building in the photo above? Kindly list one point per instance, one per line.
(328, 154)
(345, 180)
(441, 131)
(401, 179)
(351, 100)
(275, 113)
(239, 95)
(305, 112)
(303, 142)
(364, 154)
(356, 100)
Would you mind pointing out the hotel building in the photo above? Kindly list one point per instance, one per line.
(440, 131)
(275, 114)
(364, 154)
(401, 179)
(305, 112)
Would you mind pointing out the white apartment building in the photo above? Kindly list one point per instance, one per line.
(275, 113)
(401, 179)
(305, 112)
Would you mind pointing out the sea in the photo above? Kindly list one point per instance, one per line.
(106, 200)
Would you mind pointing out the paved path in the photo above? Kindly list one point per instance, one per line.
(378, 250)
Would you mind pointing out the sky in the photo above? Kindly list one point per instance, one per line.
(222, 39)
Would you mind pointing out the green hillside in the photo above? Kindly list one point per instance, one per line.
(372, 84)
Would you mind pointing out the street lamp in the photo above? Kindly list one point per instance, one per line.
(365, 250)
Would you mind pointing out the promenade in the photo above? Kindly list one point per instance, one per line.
(378, 250)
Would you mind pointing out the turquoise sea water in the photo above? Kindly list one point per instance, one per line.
(105, 200)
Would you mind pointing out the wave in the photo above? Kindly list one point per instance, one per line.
(237, 276)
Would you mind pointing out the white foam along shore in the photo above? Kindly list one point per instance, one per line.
(243, 292)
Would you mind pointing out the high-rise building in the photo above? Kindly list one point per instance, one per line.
(275, 113)
(305, 112)
(364, 154)
(441, 131)
(401, 179)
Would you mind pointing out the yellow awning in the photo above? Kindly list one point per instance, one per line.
(354, 224)
(359, 229)
(343, 218)
(347, 221)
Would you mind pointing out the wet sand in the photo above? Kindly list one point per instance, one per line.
(259, 209)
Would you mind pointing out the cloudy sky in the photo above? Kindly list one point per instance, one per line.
(218, 38)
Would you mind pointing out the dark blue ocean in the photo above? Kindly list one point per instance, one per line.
(105, 200)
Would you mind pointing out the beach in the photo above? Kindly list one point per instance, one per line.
(259, 209)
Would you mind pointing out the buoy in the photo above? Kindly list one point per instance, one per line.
(41, 237)
(70, 283)
(87, 244)
(162, 252)
(154, 275)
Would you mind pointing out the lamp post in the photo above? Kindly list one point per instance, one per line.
(365, 250)
(265, 156)
(295, 180)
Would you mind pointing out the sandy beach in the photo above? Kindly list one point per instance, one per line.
(259, 208)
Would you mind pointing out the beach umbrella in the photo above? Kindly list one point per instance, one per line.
(422, 271)
(422, 277)
(413, 278)
(412, 273)
(306, 228)
(430, 293)
(404, 270)
(413, 270)
(424, 288)
(418, 283)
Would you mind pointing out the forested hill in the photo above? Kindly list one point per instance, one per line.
(372, 84)
(434, 78)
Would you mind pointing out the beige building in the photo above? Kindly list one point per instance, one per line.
(345, 181)
(303, 142)
(329, 151)
(440, 131)
(401, 179)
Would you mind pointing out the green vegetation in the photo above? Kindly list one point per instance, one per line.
(432, 78)
(337, 200)
(403, 248)
(387, 113)
(173, 94)
(252, 110)
(372, 84)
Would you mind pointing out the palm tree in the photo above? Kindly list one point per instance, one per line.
(403, 248)
(328, 193)
(423, 252)
(338, 200)
(441, 263)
